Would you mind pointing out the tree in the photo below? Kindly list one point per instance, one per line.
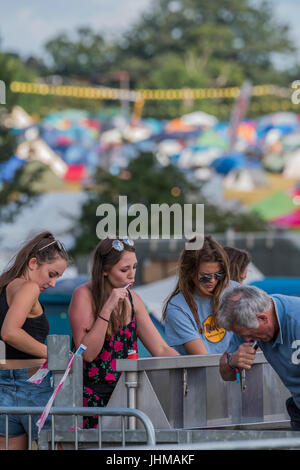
(80, 57)
(147, 182)
(17, 192)
(223, 33)
(203, 44)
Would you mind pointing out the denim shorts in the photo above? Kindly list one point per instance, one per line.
(16, 391)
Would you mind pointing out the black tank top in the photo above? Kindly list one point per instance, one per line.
(37, 327)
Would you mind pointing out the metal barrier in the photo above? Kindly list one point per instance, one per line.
(174, 395)
(80, 411)
(180, 392)
(187, 392)
(256, 444)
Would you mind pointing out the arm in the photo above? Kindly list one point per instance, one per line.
(85, 328)
(21, 305)
(181, 329)
(195, 346)
(242, 358)
(147, 332)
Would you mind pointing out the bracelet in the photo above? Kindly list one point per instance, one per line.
(102, 318)
(228, 362)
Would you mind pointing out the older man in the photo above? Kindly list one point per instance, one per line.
(272, 321)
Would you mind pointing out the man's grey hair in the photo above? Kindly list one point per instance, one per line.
(241, 305)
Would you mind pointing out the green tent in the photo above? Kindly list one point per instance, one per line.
(276, 205)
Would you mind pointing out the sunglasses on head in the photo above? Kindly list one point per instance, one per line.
(208, 277)
(119, 244)
(59, 245)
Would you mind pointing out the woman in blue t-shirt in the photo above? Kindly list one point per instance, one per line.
(190, 312)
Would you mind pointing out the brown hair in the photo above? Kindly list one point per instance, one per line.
(34, 248)
(238, 262)
(189, 263)
(105, 257)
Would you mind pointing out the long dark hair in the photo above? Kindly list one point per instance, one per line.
(188, 268)
(238, 262)
(34, 248)
(104, 258)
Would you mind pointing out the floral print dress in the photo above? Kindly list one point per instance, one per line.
(100, 376)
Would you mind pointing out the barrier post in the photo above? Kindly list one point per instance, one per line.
(70, 394)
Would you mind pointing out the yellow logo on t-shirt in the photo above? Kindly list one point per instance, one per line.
(211, 333)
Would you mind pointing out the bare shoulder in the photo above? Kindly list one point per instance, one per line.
(81, 302)
(22, 286)
(84, 290)
(137, 302)
(135, 297)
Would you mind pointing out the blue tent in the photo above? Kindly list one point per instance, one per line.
(226, 163)
(233, 161)
(9, 168)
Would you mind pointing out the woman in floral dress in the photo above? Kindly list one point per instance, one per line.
(108, 318)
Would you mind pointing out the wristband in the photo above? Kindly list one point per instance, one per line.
(228, 362)
(102, 318)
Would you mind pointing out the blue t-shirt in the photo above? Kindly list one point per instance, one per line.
(181, 327)
(283, 353)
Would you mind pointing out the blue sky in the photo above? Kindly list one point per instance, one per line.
(26, 26)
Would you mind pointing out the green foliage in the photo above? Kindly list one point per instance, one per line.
(19, 192)
(147, 182)
(144, 182)
(231, 32)
(76, 57)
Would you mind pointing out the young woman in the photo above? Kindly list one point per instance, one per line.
(190, 313)
(238, 263)
(107, 317)
(24, 328)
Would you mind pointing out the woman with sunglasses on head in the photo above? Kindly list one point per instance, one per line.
(107, 317)
(23, 330)
(190, 311)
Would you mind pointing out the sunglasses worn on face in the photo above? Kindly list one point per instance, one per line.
(208, 277)
(59, 245)
(119, 244)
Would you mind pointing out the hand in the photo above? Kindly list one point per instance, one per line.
(117, 295)
(243, 358)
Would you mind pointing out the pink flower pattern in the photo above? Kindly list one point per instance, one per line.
(103, 369)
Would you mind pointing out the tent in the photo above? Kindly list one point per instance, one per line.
(212, 138)
(277, 204)
(19, 119)
(227, 163)
(288, 221)
(9, 168)
(292, 165)
(244, 179)
(39, 150)
(195, 157)
(199, 119)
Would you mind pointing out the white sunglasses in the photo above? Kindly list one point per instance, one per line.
(119, 244)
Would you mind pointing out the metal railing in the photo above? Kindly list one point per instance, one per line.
(255, 444)
(79, 411)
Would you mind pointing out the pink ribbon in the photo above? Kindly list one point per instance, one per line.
(41, 421)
